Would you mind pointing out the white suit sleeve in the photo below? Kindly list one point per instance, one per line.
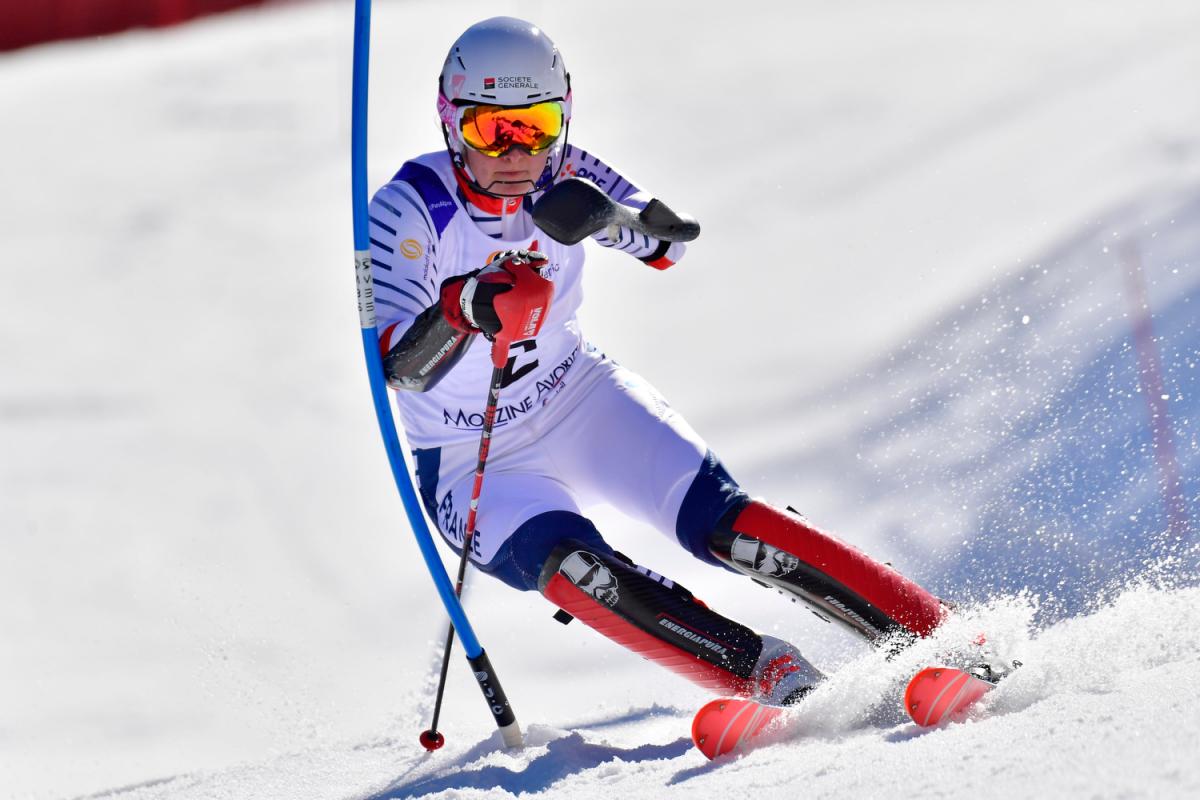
(419, 345)
(403, 260)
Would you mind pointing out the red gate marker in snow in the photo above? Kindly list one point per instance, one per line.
(1150, 376)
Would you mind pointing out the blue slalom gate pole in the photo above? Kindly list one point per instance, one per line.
(493, 693)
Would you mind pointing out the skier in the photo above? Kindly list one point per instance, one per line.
(456, 257)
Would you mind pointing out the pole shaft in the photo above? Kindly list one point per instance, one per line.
(485, 443)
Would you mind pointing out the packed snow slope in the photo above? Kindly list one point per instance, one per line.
(944, 303)
(1072, 722)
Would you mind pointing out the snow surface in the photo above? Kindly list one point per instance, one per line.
(944, 303)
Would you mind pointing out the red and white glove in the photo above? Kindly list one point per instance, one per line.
(508, 300)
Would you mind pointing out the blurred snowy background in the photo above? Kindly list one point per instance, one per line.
(945, 304)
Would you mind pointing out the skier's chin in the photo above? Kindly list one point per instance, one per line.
(510, 188)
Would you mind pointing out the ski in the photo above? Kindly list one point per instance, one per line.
(731, 725)
(937, 694)
(933, 696)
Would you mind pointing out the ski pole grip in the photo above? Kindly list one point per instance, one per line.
(497, 701)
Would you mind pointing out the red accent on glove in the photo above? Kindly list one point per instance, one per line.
(511, 300)
(661, 263)
(451, 307)
(523, 309)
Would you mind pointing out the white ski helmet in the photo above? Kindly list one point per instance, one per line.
(502, 61)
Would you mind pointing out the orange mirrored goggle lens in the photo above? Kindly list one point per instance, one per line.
(493, 130)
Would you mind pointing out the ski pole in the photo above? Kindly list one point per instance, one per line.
(489, 683)
(431, 739)
(524, 316)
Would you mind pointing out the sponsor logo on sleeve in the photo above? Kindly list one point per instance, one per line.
(411, 249)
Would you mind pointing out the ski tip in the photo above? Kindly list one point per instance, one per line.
(700, 729)
(728, 725)
(937, 694)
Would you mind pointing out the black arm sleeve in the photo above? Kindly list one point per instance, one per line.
(426, 352)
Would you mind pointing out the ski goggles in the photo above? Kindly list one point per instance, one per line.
(494, 130)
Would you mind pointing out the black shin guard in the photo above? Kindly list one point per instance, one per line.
(652, 616)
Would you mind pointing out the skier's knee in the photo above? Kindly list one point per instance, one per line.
(598, 573)
(520, 559)
(713, 495)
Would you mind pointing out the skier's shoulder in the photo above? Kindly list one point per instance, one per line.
(578, 162)
(423, 187)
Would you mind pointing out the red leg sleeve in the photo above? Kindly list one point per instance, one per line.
(842, 581)
(656, 619)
